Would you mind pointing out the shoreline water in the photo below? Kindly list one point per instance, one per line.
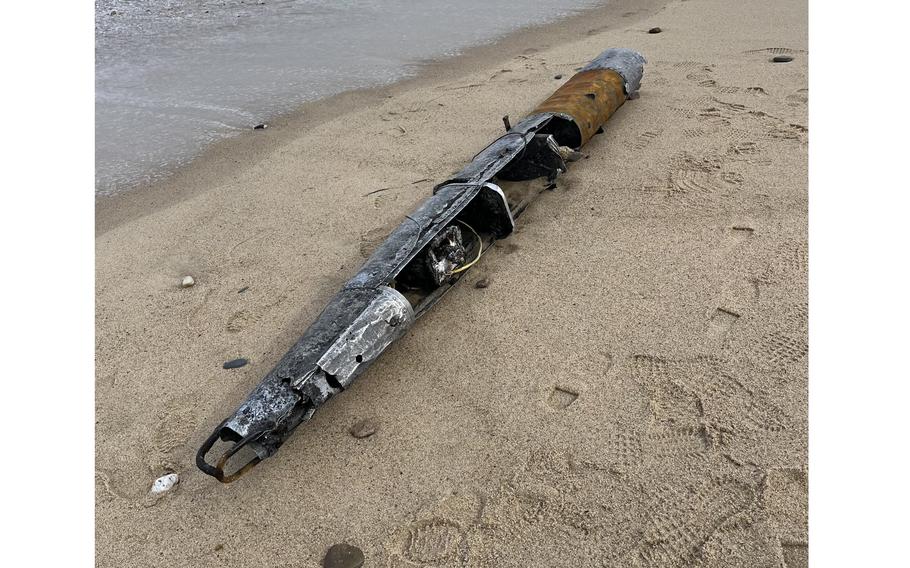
(222, 159)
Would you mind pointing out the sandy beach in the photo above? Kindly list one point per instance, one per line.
(629, 390)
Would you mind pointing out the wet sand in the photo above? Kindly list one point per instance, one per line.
(630, 389)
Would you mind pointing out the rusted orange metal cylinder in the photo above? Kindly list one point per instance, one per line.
(590, 98)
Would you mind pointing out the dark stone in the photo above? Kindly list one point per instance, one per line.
(363, 429)
(235, 363)
(655, 31)
(242, 290)
(558, 77)
(260, 127)
(482, 283)
(781, 59)
(343, 555)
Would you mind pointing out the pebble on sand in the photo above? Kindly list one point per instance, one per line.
(165, 483)
(558, 76)
(482, 283)
(343, 555)
(363, 429)
(187, 282)
(781, 59)
(262, 126)
(655, 31)
(235, 363)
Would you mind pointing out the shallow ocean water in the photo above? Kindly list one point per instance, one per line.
(172, 77)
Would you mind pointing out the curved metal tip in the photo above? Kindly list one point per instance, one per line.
(217, 470)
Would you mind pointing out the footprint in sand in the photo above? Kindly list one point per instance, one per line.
(240, 321)
(786, 496)
(799, 98)
(720, 323)
(562, 397)
(434, 542)
(644, 140)
(681, 520)
(701, 390)
(774, 51)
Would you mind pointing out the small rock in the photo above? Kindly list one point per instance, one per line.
(557, 77)
(482, 283)
(242, 290)
(219, 547)
(187, 282)
(363, 429)
(262, 126)
(781, 59)
(165, 483)
(655, 31)
(343, 556)
(235, 363)
(113, 12)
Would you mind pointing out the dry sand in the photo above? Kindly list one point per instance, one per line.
(631, 389)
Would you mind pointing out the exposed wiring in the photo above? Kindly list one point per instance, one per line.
(479, 250)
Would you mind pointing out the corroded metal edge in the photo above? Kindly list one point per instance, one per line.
(627, 62)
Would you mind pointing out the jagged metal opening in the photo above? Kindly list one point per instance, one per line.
(564, 130)
(483, 220)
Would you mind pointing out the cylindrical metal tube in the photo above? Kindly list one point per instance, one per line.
(589, 98)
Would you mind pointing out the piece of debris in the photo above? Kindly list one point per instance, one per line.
(363, 428)
(187, 282)
(165, 483)
(219, 547)
(781, 59)
(424, 257)
(655, 31)
(570, 155)
(482, 283)
(557, 77)
(343, 555)
(262, 126)
(242, 290)
(235, 363)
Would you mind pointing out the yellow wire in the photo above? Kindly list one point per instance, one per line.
(479, 250)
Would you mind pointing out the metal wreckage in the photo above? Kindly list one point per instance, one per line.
(420, 261)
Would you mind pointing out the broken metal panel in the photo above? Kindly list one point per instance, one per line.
(315, 387)
(418, 229)
(424, 257)
(337, 316)
(489, 161)
(490, 209)
(269, 400)
(386, 319)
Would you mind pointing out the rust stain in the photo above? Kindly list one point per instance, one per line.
(590, 98)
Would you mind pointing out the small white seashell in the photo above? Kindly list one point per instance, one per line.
(165, 483)
(187, 282)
